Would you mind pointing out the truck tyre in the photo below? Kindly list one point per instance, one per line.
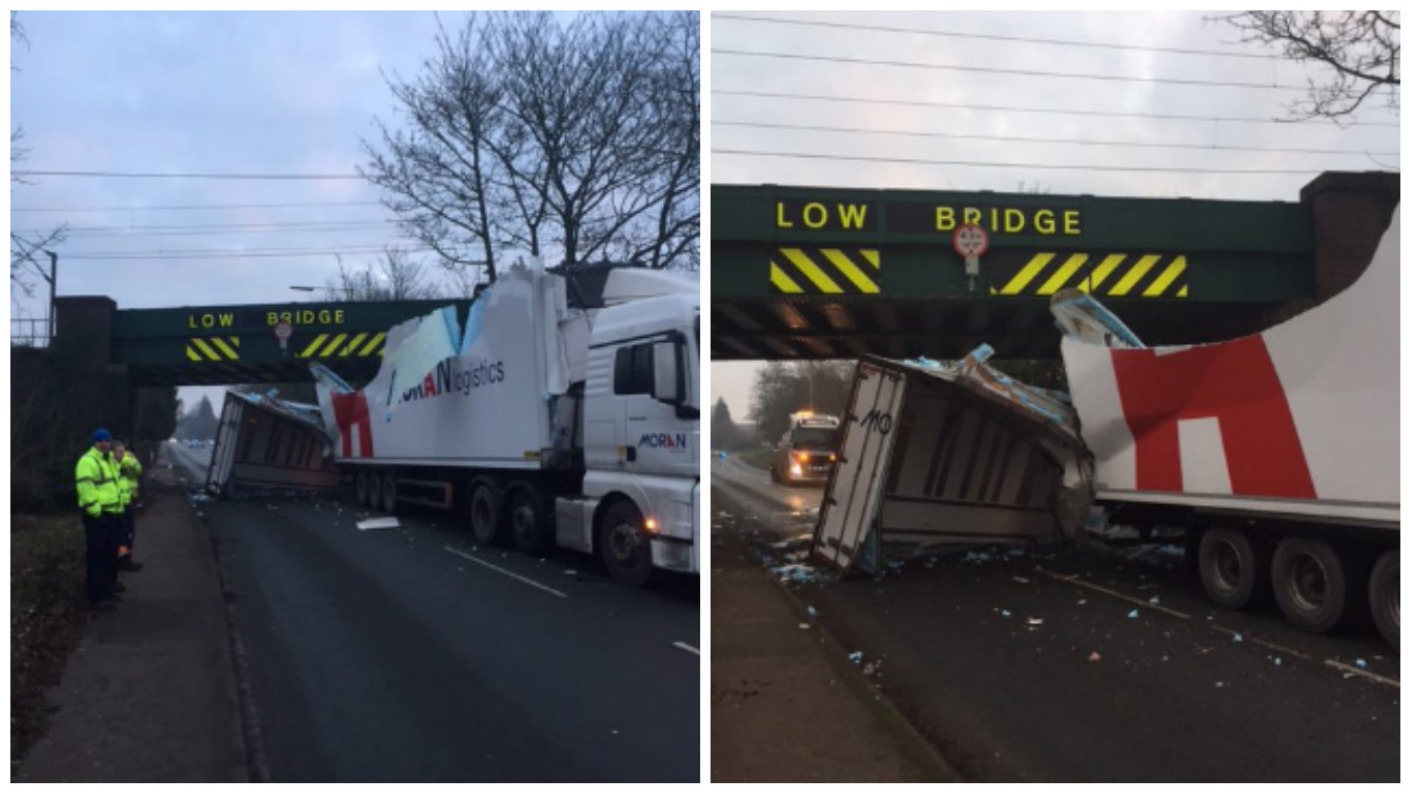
(530, 526)
(388, 492)
(624, 547)
(1311, 584)
(486, 506)
(1232, 570)
(363, 496)
(1383, 596)
(374, 491)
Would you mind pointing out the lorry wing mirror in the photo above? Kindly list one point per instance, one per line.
(666, 387)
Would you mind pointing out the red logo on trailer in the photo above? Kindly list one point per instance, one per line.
(1235, 382)
(351, 412)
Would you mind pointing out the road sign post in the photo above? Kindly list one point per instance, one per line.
(283, 331)
(970, 241)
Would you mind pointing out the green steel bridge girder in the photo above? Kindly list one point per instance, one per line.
(236, 339)
(1221, 251)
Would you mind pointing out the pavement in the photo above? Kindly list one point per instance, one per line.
(788, 705)
(150, 694)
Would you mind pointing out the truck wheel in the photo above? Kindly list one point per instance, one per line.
(529, 524)
(388, 492)
(1310, 584)
(485, 512)
(624, 547)
(363, 498)
(374, 491)
(1383, 596)
(1231, 568)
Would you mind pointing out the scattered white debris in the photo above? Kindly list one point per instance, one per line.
(1094, 657)
(1080, 602)
(1360, 662)
(1275, 660)
(1006, 613)
(378, 524)
(856, 657)
(1236, 637)
(1035, 622)
(1220, 684)
(1154, 600)
(1134, 614)
(803, 626)
(811, 611)
(1020, 579)
(569, 572)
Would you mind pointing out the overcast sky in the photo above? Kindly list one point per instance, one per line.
(263, 92)
(1144, 34)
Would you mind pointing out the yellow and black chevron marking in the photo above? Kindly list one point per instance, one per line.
(1114, 275)
(825, 271)
(327, 345)
(205, 349)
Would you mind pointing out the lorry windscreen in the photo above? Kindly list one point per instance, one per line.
(814, 437)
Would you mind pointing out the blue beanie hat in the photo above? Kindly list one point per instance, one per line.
(101, 435)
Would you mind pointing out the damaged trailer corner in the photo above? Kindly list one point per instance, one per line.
(949, 454)
(264, 443)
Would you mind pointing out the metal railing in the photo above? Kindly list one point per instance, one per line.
(31, 332)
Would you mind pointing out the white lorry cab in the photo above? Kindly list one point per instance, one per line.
(562, 410)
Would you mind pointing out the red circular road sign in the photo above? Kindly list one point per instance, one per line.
(283, 331)
(970, 240)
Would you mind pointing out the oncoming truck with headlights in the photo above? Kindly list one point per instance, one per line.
(808, 450)
(563, 410)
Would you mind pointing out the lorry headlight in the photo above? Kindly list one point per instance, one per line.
(796, 470)
(803, 456)
(651, 525)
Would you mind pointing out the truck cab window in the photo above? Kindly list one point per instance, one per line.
(635, 370)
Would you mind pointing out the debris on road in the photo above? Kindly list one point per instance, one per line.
(803, 626)
(1094, 657)
(1134, 614)
(1020, 579)
(855, 657)
(1360, 662)
(378, 523)
(1035, 622)
(1154, 600)
(1236, 637)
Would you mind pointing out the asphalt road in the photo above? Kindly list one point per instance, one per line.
(1075, 664)
(405, 654)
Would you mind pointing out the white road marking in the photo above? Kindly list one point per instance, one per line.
(515, 576)
(1349, 669)
(1140, 602)
(687, 648)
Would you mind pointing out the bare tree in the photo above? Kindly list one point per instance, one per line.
(1361, 47)
(26, 247)
(394, 276)
(579, 138)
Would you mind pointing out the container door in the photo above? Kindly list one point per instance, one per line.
(857, 484)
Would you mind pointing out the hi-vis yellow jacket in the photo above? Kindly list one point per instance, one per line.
(96, 476)
(128, 483)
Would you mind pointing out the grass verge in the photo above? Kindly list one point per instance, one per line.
(47, 615)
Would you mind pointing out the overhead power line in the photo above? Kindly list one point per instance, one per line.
(1014, 72)
(193, 207)
(238, 176)
(1025, 165)
(234, 228)
(163, 255)
(1068, 141)
(994, 37)
(1036, 110)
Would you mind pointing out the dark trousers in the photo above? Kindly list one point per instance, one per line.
(129, 529)
(101, 557)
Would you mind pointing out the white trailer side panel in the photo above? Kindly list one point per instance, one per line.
(486, 407)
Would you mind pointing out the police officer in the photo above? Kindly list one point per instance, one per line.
(128, 482)
(98, 499)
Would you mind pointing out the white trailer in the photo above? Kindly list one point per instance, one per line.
(1277, 452)
(564, 411)
(264, 443)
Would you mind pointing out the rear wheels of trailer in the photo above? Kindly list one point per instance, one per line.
(1318, 586)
